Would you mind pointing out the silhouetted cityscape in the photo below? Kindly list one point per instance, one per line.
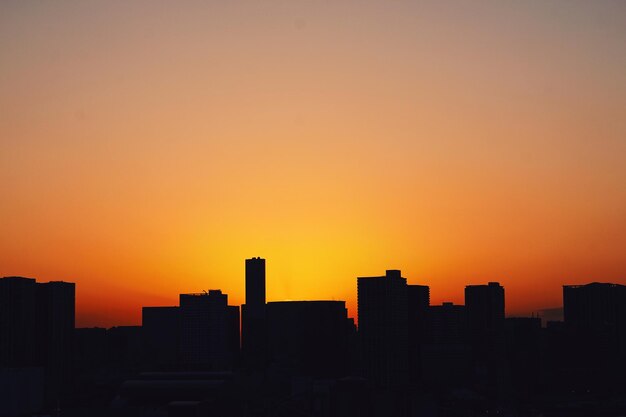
(407, 357)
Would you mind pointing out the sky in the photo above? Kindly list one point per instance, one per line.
(147, 148)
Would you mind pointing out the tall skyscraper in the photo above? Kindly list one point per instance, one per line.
(253, 316)
(383, 328)
(255, 282)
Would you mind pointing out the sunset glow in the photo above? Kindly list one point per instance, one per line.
(148, 148)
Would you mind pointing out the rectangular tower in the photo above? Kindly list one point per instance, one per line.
(56, 302)
(253, 322)
(37, 329)
(595, 314)
(205, 331)
(418, 301)
(18, 319)
(255, 282)
(485, 308)
(383, 328)
(592, 306)
(485, 320)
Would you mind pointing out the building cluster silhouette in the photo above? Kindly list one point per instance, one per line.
(36, 343)
(205, 357)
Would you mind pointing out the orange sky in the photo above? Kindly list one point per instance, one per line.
(147, 149)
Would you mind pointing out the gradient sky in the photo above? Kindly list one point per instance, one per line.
(148, 148)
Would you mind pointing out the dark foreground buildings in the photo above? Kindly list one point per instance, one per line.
(597, 311)
(309, 337)
(407, 358)
(205, 322)
(36, 343)
(594, 331)
(446, 354)
(161, 332)
(202, 334)
(418, 303)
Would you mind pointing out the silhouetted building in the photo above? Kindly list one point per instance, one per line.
(595, 319)
(124, 348)
(562, 357)
(21, 391)
(418, 301)
(520, 330)
(308, 337)
(55, 332)
(36, 329)
(523, 352)
(485, 308)
(253, 316)
(352, 397)
(383, 328)
(234, 334)
(550, 314)
(446, 355)
(205, 330)
(22, 379)
(485, 320)
(447, 323)
(18, 318)
(593, 306)
(90, 351)
(255, 282)
(161, 337)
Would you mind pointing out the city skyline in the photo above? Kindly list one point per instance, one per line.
(270, 358)
(259, 283)
(548, 312)
(278, 208)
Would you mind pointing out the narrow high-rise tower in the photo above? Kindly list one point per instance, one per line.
(255, 282)
(253, 322)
